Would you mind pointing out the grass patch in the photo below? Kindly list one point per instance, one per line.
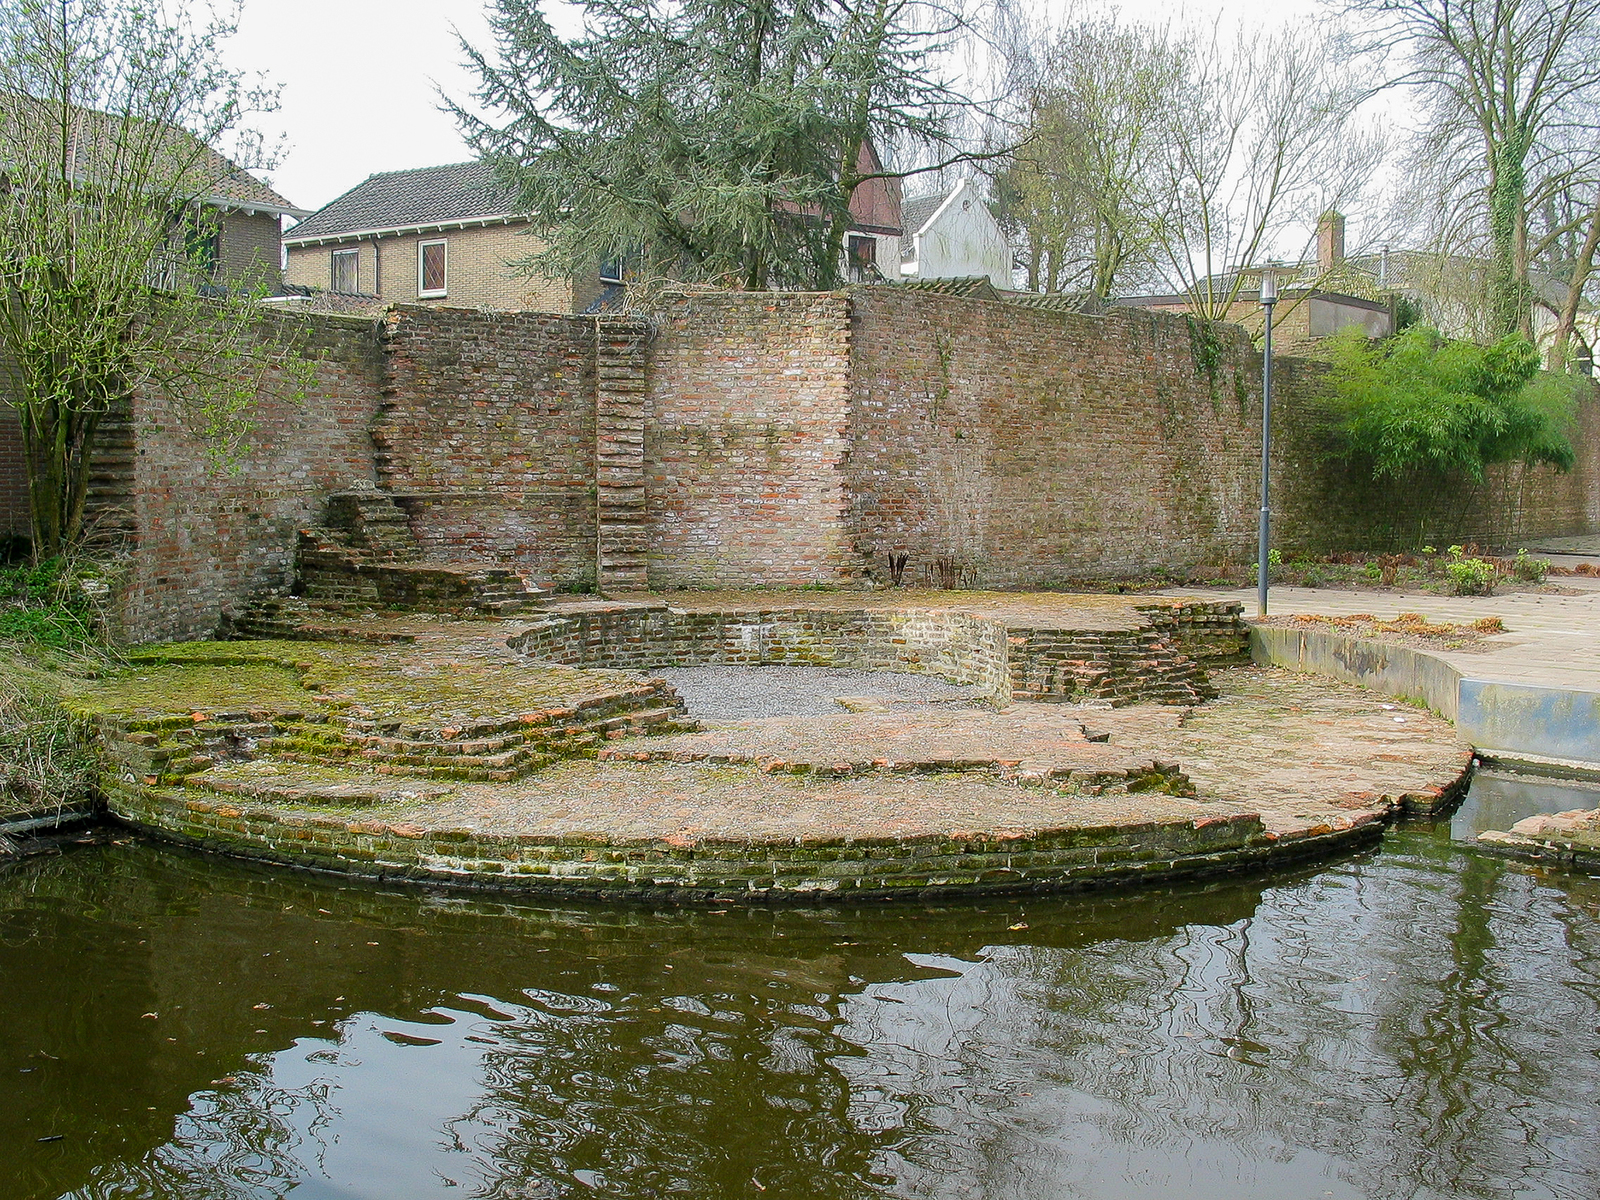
(46, 754)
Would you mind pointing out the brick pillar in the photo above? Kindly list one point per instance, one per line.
(622, 535)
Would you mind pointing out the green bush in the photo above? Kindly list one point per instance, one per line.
(1529, 569)
(1469, 576)
(1422, 401)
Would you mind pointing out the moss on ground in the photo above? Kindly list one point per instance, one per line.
(159, 689)
(433, 687)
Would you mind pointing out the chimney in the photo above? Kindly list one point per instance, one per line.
(1330, 241)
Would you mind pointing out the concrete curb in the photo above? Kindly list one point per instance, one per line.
(1494, 716)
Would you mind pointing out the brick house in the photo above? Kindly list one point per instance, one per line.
(447, 235)
(435, 235)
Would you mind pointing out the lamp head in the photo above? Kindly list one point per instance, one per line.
(1269, 286)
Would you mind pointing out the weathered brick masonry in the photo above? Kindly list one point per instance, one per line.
(759, 439)
(206, 539)
(746, 441)
(1021, 446)
(487, 436)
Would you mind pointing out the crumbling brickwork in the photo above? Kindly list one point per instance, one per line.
(1018, 445)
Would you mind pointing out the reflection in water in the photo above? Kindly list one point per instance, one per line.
(1419, 1022)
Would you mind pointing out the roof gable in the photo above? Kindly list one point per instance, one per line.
(98, 141)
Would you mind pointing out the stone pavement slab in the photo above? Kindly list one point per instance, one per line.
(1550, 640)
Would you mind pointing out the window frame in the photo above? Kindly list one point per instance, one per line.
(353, 254)
(426, 293)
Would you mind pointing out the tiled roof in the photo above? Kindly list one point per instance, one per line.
(914, 214)
(405, 199)
(208, 174)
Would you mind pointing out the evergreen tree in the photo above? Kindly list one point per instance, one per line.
(706, 140)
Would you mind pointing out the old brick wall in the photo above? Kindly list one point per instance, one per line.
(746, 436)
(14, 519)
(1020, 446)
(487, 436)
(208, 538)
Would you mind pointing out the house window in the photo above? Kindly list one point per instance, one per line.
(432, 264)
(346, 271)
(203, 243)
(611, 270)
(863, 256)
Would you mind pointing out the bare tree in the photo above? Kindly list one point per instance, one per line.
(1509, 88)
(1097, 98)
(1264, 139)
(1177, 156)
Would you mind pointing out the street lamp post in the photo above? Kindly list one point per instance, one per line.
(1269, 297)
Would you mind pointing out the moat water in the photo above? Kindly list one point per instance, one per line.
(1418, 1021)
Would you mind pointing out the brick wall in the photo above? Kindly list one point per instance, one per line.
(746, 435)
(1021, 446)
(487, 436)
(14, 519)
(477, 274)
(209, 538)
(251, 249)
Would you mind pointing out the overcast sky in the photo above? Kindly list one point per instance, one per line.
(360, 78)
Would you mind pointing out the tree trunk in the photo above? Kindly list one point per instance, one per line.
(58, 450)
(1581, 271)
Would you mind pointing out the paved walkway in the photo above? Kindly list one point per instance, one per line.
(1550, 640)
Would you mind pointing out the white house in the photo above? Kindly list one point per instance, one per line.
(953, 235)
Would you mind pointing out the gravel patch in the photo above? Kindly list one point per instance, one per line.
(742, 693)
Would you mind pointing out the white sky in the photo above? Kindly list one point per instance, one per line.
(360, 78)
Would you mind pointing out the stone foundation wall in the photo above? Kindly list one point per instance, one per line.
(1012, 661)
(954, 646)
(732, 870)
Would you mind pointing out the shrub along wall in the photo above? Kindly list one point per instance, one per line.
(1322, 503)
